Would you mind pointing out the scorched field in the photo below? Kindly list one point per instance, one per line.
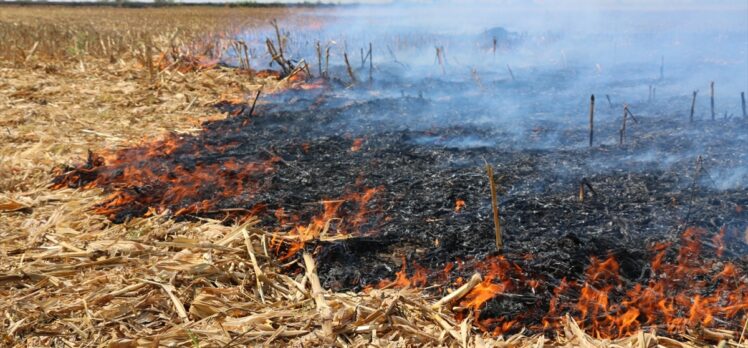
(428, 174)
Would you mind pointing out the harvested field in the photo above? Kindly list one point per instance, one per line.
(159, 187)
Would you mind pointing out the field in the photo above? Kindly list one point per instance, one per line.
(159, 188)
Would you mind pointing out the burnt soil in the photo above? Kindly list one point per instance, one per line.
(648, 190)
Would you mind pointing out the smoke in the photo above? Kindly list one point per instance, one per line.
(518, 74)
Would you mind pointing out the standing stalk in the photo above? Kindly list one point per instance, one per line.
(662, 67)
(371, 64)
(711, 87)
(495, 206)
(327, 61)
(319, 59)
(649, 99)
(693, 106)
(274, 23)
(440, 58)
(592, 119)
(623, 125)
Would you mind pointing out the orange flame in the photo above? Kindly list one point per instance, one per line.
(418, 279)
(690, 292)
(322, 224)
(357, 143)
(459, 204)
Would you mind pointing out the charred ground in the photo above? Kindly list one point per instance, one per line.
(387, 174)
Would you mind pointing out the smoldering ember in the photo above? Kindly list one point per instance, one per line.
(529, 172)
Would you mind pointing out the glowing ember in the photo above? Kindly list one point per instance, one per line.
(357, 144)
(459, 204)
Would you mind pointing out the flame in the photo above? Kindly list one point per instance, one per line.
(459, 204)
(496, 281)
(357, 144)
(483, 292)
(719, 242)
(318, 84)
(149, 178)
(402, 281)
(184, 60)
(676, 295)
(320, 225)
(448, 269)
(685, 291)
(688, 286)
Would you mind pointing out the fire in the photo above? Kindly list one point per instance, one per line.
(418, 279)
(357, 144)
(185, 60)
(318, 84)
(676, 295)
(332, 219)
(685, 285)
(139, 186)
(719, 242)
(496, 281)
(685, 291)
(459, 204)
(483, 292)
(605, 270)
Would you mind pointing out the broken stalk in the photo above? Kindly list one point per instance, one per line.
(350, 70)
(257, 96)
(511, 73)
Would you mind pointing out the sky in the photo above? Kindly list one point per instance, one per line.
(558, 4)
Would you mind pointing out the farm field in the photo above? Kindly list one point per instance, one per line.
(370, 176)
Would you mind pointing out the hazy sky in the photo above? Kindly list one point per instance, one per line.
(665, 4)
(642, 4)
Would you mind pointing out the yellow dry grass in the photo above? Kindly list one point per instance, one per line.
(69, 277)
(76, 33)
